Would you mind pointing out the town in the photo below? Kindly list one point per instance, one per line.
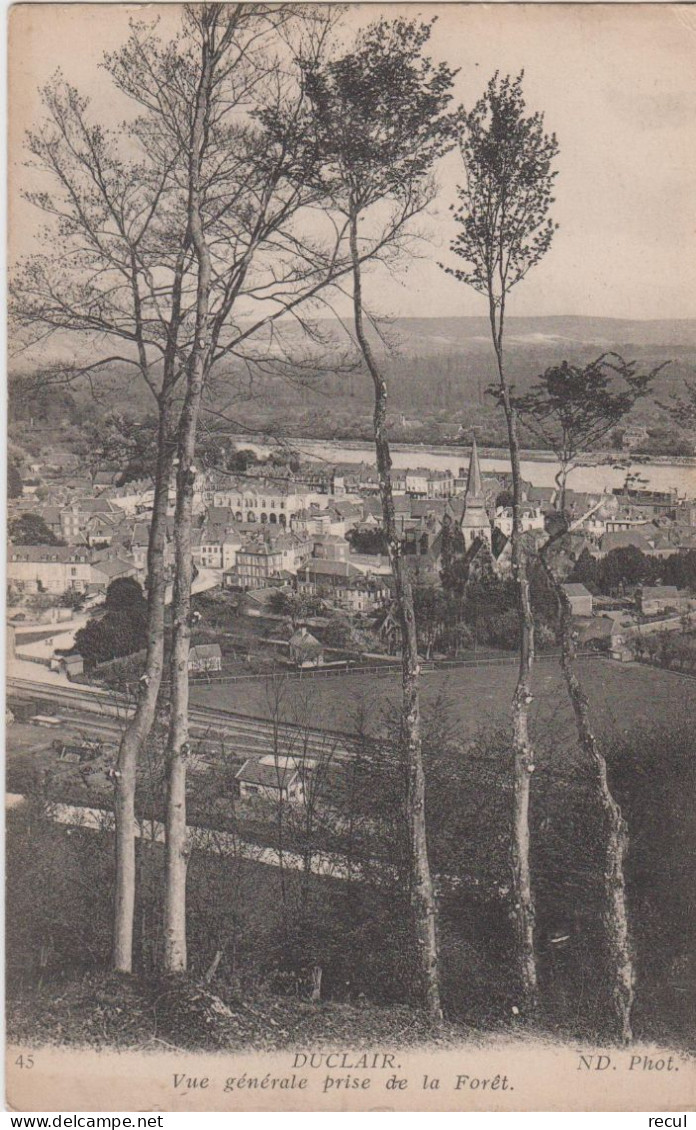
(297, 545)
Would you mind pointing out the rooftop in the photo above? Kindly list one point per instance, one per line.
(575, 590)
(67, 554)
(280, 774)
(205, 651)
(619, 539)
(318, 566)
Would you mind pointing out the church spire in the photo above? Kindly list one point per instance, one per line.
(474, 486)
(475, 523)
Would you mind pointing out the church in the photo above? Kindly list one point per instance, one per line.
(475, 523)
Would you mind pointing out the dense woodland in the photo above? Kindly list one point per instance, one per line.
(437, 386)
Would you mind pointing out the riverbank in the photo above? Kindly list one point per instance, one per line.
(597, 470)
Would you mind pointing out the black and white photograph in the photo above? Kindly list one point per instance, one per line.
(351, 557)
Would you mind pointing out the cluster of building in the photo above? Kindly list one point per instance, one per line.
(273, 526)
(263, 529)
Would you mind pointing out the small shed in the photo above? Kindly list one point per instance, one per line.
(579, 599)
(305, 650)
(598, 631)
(205, 657)
(68, 665)
(271, 778)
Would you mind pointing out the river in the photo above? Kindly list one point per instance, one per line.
(539, 468)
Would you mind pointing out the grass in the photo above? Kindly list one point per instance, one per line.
(621, 696)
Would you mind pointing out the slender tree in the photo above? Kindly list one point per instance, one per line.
(196, 93)
(504, 231)
(228, 100)
(558, 565)
(380, 116)
(109, 228)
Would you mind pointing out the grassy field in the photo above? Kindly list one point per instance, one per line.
(623, 696)
(270, 924)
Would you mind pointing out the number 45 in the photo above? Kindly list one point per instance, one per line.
(25, 1061)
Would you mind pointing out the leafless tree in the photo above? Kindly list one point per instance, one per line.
(157, 232)
(111, 228)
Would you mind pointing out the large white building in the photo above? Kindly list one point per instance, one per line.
(49, 568)
(275, 503)
(531, 518)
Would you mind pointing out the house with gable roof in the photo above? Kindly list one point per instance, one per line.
(272, 778)
(305, 650)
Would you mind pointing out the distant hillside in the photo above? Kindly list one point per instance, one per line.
(439, 335)
(438, 370)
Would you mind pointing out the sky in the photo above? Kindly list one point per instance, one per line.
(614, 81)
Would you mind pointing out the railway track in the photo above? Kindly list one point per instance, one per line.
(249, 736)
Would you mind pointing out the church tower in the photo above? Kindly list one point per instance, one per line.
(475, 521)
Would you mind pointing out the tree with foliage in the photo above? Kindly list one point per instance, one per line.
(381, 120)
(682, 407)
(573, 407)
(505, 230)
(242, 460)
(430, 610)
(624, 568)
(125, 594)
(31, 529)
(298, 606)
(128, 441)
(14, 480)
(586, 571)
(679, 569)
(367, 541)
(454, 573)
(120, 630)
(339, 632)
(621, 570)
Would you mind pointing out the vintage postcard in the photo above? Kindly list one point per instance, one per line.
(351, 557)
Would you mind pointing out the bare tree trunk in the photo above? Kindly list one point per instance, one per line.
(421, 887)
(523, 753)
(175, 955)
(177, 747)
(615, 915)
(140, 725)
(560, 479)
(316, 984)
(213, 967)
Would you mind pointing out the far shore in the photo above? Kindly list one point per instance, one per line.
(532, 455)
